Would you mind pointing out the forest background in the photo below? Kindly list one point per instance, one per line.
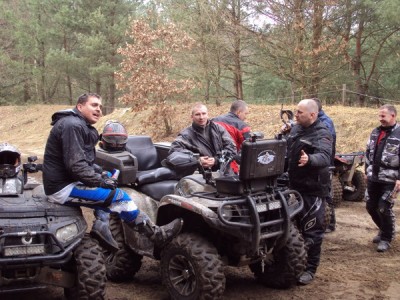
(153, 53)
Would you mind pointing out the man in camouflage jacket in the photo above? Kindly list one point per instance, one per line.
(383, 178)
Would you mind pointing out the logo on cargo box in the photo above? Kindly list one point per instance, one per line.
(266, 157)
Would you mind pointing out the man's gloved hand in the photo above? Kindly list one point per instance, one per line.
(109, 183)
(97, 168)
(105, 174)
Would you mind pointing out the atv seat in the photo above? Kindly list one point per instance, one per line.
(152, 178)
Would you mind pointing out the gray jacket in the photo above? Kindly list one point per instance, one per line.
(382, 161)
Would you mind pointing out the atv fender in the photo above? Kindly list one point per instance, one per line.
(143, 202)
(196, 205)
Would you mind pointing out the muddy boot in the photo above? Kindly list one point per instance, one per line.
(101, 231)
(377, 238)
(306, 278)
(160, 235)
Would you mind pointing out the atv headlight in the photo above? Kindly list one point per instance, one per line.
(66, 233)
(227, 212)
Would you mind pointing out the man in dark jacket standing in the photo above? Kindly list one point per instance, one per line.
(382, 169)
(70, 176)
(309, 158)
(205, 138)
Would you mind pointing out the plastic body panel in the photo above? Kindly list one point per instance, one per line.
(123, 161)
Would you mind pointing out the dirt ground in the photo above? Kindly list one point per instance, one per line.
(350, 269)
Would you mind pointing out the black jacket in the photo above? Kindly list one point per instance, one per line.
(313, 178)
(209, 141)
(70, 152)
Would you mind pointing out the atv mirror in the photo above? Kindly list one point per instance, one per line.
(256, 136)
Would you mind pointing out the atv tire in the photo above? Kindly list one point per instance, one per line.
(288, 263)
(360, 186)
(123, 264)
(191, 268)
(337, 191)
(90, 271)
(327, 217)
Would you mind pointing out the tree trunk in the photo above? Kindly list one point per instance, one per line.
(113, 88)
(316, 45)
(236, 20)
(69, 86)
(361, 88)
(298, 29)
(217, 80)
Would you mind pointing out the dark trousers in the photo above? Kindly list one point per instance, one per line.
(380, 207)
(311, 225)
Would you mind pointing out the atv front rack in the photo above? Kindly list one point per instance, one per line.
(267, 215)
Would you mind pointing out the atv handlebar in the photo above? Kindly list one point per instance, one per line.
(287, 117)
(31, 167)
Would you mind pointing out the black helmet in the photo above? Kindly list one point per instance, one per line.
(10, 160)
(114, 136)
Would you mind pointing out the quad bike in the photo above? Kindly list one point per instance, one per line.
(348, 182)
(43, 243)
(229, 220)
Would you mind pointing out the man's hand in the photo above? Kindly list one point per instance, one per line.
(207, 162)
(109, 183)
(303, 159)
(285, 129)
(396, 189)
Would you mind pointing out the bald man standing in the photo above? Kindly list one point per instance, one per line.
(309, 157)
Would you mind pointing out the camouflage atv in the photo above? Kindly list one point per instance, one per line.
(238, 220)
(42, 243)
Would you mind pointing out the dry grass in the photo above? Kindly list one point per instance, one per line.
(27, 127)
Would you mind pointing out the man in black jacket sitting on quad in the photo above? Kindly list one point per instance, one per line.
(71, 178)
(204, 137)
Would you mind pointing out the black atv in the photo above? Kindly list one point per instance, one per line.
(43, 243)
(237, 220)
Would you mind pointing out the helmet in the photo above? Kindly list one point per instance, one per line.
(114, 136)
(10, 160)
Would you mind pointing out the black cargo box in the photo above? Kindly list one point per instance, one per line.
(261, 162)
(262, 158)
(123, 161)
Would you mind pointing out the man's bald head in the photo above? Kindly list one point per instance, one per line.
(307, 112)
(310, 104)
